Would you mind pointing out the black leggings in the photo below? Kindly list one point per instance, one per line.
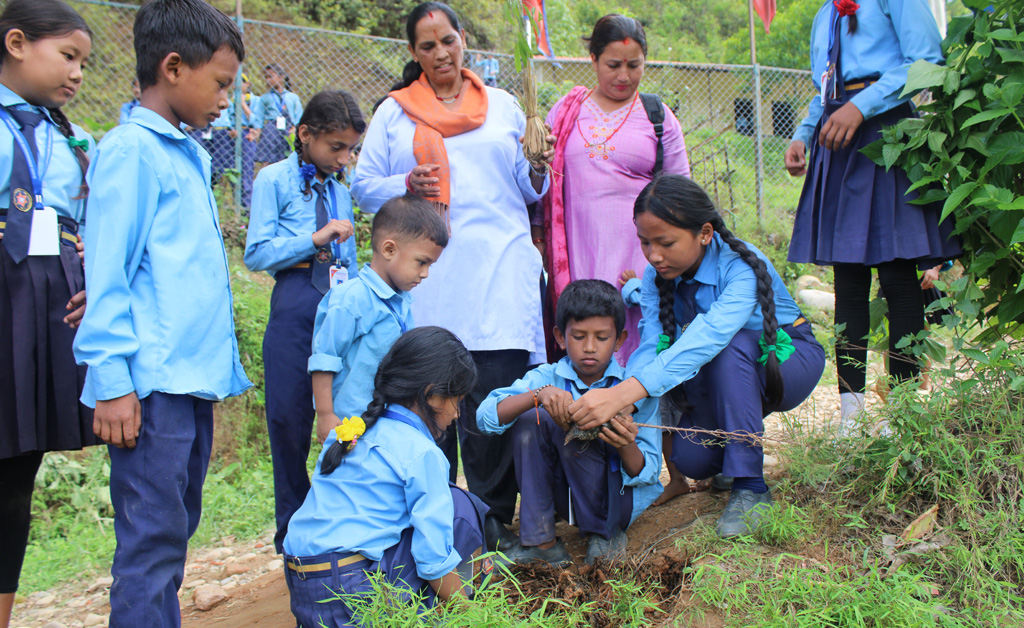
(17, 476)
(906, 316)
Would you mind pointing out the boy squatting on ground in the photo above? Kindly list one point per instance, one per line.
(158, 335)
(612, 478)
(358, 321)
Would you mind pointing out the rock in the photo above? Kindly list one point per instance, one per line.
(93, 619)
(218, 554)
(54, 624)
(76, 602)
(46, 600)
(770, 461)
(228, 540)
(246, 557)
(235, 569)
(192, 584)
(818, 299)
(809, 281)
(101, 583)
(259, 544)
(228, 582)
(275, 564)
(208, 596)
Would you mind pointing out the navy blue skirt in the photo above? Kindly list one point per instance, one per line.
(853, 211)
(273, 145)
(40, 383)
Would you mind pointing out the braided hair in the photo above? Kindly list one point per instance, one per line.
(682, 203)
(39, 19)
(424, 362)
(327, 111)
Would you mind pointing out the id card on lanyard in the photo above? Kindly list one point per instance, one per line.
(282, 120)
(44, 238)
(829, 75)
(337, 273)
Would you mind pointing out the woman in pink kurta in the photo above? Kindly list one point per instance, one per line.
(604, 156)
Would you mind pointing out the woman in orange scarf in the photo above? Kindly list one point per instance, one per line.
(444, 135)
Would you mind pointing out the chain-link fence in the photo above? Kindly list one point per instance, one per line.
(735, 136)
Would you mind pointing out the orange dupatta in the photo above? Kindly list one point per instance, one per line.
(434, 123)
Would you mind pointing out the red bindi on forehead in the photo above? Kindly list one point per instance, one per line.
(430, 14)
(625, 41)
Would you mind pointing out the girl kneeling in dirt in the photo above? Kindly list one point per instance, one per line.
(719, 326)
(380, 500)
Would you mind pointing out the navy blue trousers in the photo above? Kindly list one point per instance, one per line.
(287, 345)
(728, 393)
(546, 468)
(310, 593)
(247, 175)
(157, 493)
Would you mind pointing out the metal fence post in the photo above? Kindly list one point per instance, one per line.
(759, 146)
(239, 111)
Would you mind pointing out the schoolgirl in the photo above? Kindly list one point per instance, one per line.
(300, 231)
(380, 499)
(42, 192)
(718, 319)
(274, 115)
(854, 215)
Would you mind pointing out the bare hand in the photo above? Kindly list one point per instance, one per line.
(620, 431)
(232, 133)
(254, 134)
(80, 247)
(796, 158)
(324, 424)
(556, 401)
(118, 421)
(626, 276)
(929, 277)
(423, 182)
(596, 407)
(77, 308)
(842, 125)
(334, 231)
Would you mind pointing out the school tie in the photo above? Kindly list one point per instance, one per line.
(19, 223)
(323, 258)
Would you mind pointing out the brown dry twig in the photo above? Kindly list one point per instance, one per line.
(692, 433)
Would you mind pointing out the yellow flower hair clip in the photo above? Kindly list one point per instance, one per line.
(350, 430)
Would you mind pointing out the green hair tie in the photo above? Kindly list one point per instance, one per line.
(664, 342)
(783, 347)
(74, 143)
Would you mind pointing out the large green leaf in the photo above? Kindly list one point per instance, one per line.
(984, 116)
(956, 197)
(922, 75)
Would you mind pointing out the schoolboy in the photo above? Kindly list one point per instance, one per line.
(357, 322)
(158, 335)
(612, 479)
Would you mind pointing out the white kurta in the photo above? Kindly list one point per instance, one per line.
(485, 288)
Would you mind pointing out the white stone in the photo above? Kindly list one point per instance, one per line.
(101, 583)
(246, 557)
(93, 619)
(54, 624)
(208, 596)
(197, 582)
(218, 554)
(46, 600)
(275, 564)
(818, 299)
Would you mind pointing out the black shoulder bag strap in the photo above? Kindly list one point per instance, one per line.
(656, 114)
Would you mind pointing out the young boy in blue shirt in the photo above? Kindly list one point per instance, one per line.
(158, 334)
(612, 478)
(357, 322)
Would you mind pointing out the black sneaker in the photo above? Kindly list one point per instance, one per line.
(742, 515)
(608, 549)
(554, 555)
(721, 483)
(498, 536)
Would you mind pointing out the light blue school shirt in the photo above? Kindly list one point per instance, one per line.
(395, 477)
(282, 220)
(226, 118)
(726, 302)
(126, 110)
(353, 329)
(62, 177)
(631, 291)
(891, 35)
(646, 486)
(490, 269)
(273, 104)
(156, 272)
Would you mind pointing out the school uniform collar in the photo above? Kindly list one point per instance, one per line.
(8, 98)
(565, 370)
(295, 177)
(415, 419)
(149, 119)
(708, 272)
(378, 285)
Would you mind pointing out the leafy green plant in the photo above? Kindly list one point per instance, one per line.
(966, 153)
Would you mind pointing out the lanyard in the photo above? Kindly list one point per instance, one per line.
(35, 170)
(387, 303)
(404, 416)
(280, 104)
(832, 28)
(332, 214)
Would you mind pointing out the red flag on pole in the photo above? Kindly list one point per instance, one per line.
(764, 8)
(535, 9)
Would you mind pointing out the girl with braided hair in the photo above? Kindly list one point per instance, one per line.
(719, 323)
(380, 498)
(45, 45)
